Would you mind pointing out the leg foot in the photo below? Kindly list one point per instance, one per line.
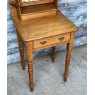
(31, 87)
(23, 68)
(65, 78)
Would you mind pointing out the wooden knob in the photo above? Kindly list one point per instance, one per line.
(42, 43)
(62, 38)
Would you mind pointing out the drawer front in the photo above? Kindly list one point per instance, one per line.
(51, 40)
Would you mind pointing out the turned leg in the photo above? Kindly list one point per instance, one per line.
(68, 55)
(30, 65)
(53, 54)
(21, 50)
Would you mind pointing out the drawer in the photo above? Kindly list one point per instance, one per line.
(51, 40)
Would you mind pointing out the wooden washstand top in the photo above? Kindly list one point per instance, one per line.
(43, 26)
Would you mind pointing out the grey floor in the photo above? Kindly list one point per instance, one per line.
(48, 76)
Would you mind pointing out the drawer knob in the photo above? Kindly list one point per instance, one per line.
(42, 43)
(62, 38)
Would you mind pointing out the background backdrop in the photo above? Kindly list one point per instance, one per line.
(75, 10)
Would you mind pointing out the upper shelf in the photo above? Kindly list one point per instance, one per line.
(34, 9)
(34, 2)
(37, 9)
(41, 10)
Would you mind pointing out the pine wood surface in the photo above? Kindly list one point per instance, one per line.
(43, 32)
(51, 40)
(38, 8)
(23, 4)
(21, 50)
(30, 65)
(35, 2)
(42, 27)
(36, 11)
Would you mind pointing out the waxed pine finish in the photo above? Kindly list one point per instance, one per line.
(43, 32)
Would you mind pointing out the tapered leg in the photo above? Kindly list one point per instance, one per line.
(69, 50)
(21, 50)
(30, 65)
(53, 54)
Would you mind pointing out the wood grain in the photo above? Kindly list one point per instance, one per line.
(69, 51)
(35, 2)
(48, 46)
(53, 54)
(21, 50)
(30, 65)
(51, 40)
(44, 32)
(43, 27)
(34, 9)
